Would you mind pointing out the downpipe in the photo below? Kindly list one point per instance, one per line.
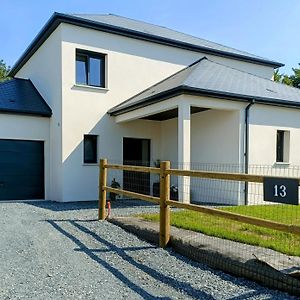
(246, 151)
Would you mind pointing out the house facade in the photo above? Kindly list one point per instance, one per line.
(131, 91)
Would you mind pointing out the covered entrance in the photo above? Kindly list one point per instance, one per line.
(201, 120)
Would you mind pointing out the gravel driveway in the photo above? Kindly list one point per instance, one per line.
(59, 251)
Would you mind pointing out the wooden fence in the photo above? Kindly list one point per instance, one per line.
(164, 200)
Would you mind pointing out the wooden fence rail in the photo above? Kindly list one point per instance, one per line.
(148, 198)
(164, 200)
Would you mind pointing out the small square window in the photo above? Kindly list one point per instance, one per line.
(90, 68)
(90, 149)
(282, 146)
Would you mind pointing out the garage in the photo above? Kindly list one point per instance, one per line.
(21, 169)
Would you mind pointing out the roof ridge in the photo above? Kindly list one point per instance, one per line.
(175, 30)
(87, 14)
(135, 20)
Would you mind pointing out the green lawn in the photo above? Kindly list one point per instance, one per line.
(249, 234)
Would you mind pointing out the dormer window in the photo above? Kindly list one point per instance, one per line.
(90, 68)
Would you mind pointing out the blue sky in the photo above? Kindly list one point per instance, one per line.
(268, 28)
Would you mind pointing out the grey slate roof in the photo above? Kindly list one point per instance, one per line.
(21, 97)
(137, 30)
(206, 77)
(164, 32)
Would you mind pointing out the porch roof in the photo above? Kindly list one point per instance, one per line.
(208, 78)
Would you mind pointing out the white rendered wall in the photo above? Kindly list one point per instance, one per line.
(22, 127)
(216, 145)
(215, 137)
(132, 65)
(169, 141)
(44, 70)
(264, 123)
(81, 180)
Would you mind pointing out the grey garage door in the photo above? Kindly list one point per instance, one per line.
(21, 170)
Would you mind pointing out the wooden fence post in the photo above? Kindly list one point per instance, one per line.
(102, 191)
(164, 214)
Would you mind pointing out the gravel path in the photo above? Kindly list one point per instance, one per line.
(59, 251)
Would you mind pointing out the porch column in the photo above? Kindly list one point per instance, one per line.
(184, 150)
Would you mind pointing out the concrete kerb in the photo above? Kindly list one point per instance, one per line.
(251, 262)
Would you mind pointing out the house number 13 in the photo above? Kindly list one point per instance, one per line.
(279, 190)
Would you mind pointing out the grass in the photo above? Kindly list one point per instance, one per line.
(249, 234)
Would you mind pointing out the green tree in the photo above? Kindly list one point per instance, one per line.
(277, 76)
(291, 80)
(287, 80)
(4, 70)
(295, 78)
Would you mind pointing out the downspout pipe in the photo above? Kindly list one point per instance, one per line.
(246, 151)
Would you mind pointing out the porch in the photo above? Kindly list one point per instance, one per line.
(194, 131)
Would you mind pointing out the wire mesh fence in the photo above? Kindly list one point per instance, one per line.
(237, 247)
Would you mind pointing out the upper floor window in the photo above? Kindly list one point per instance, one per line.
(282, 146)
(90, 68)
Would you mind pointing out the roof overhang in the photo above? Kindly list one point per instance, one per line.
(58, 18)
(171, 114)
(184, 90)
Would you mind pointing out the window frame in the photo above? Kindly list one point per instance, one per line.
(94, 139)
(102, 72)
(282, 146)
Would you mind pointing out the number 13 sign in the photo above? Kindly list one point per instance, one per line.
(281, 190)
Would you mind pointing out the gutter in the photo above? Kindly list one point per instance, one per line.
(180, 90)
(246, 153)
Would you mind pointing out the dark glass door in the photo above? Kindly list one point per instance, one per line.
(136, 152)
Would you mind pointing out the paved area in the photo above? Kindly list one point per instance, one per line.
(60, 251)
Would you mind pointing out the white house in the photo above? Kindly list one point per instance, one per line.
(92, 86)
